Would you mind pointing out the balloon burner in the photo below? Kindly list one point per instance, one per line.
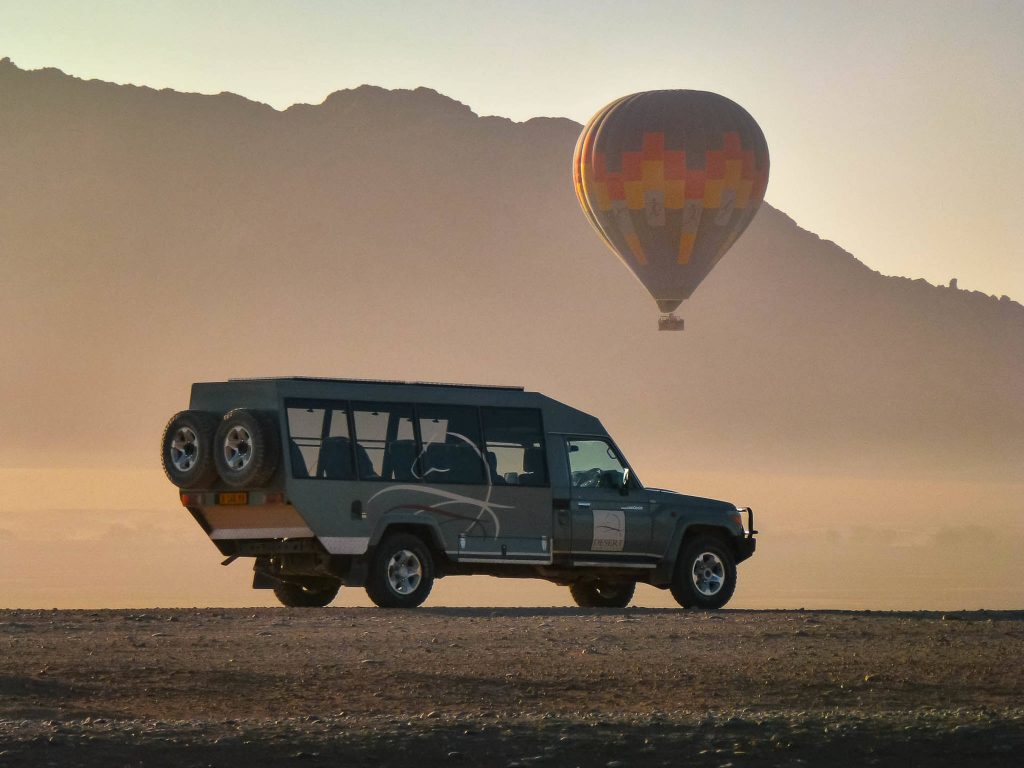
(670, 322)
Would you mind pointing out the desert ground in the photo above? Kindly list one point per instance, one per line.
(510, 687)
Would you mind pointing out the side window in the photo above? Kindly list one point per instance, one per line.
(318, 440)
(385, 441)
(450, 436)
(594, 464)
(514, 446)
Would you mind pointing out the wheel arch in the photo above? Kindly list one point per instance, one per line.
(685, 532)
(426, 529)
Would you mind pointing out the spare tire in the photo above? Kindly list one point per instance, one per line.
(247, 448)
(187, 449)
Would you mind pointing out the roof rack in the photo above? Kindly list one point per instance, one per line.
(382, 381)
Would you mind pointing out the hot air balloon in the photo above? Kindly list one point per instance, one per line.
(670, 179)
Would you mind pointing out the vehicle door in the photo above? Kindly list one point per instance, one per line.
(515, 515)
(611, 517)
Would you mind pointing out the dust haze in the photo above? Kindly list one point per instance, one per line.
(149, 239)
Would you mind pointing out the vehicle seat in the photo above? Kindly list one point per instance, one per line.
(534, 467)
(438, 460)
(299, 468)
(492, 464)
(402, 457)
(335, 462)
(467, 467)
(366, 469)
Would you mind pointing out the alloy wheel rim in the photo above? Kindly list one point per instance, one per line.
(184, 449)
(237, 448)
(708, 573)
(405, 572)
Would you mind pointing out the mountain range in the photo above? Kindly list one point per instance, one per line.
(149, 239)
(152, 238)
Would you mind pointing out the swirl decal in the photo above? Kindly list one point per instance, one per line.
(485, 506)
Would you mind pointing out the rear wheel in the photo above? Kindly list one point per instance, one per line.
(596, 593)
(298, 596)
(187, 449)
(705, 575)
(401, 572)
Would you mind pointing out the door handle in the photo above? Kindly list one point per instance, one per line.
(583, 504)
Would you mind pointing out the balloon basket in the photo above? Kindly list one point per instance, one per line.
(670, 322)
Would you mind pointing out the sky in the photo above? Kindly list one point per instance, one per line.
(894, 127)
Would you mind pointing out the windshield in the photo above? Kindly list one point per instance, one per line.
(594, 463)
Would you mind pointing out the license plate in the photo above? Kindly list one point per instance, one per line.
(229, 499)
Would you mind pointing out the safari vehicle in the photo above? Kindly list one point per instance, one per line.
(390, 485)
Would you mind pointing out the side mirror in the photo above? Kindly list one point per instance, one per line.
(624, 487)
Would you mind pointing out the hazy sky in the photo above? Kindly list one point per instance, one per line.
(894, 127)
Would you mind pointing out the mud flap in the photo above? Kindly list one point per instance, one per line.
(356, 576)
(262, 581)
(260, 578)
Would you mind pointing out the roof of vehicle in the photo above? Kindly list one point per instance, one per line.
(266, 393)
(381, 381)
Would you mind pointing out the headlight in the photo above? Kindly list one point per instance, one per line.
(736, 516)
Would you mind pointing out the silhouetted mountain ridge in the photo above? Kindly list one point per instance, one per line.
(151, 238)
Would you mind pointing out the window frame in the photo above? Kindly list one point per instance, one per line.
(634, 482)
(391, 405)
(327, 406)
(480, 445)
(543, 439)
(349, 407)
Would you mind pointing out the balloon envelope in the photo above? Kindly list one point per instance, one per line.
(670, 179)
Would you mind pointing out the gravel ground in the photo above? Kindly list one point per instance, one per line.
(510, 687)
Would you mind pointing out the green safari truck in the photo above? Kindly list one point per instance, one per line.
(390, 485)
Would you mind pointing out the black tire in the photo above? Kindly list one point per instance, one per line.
(187, 449)
(595, 593)
(386, 583)
(707, 561)
(247, 448)
(298, 596)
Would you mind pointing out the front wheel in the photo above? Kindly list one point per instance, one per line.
(298, 596)
(705, 575)
(401, 572)
(595, 593)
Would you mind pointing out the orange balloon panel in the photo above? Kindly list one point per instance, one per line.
(670, 179)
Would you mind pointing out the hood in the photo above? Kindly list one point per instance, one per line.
(663, 496)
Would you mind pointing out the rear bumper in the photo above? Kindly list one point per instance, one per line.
(255, 518)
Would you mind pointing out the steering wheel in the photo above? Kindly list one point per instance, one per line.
(590, 478)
